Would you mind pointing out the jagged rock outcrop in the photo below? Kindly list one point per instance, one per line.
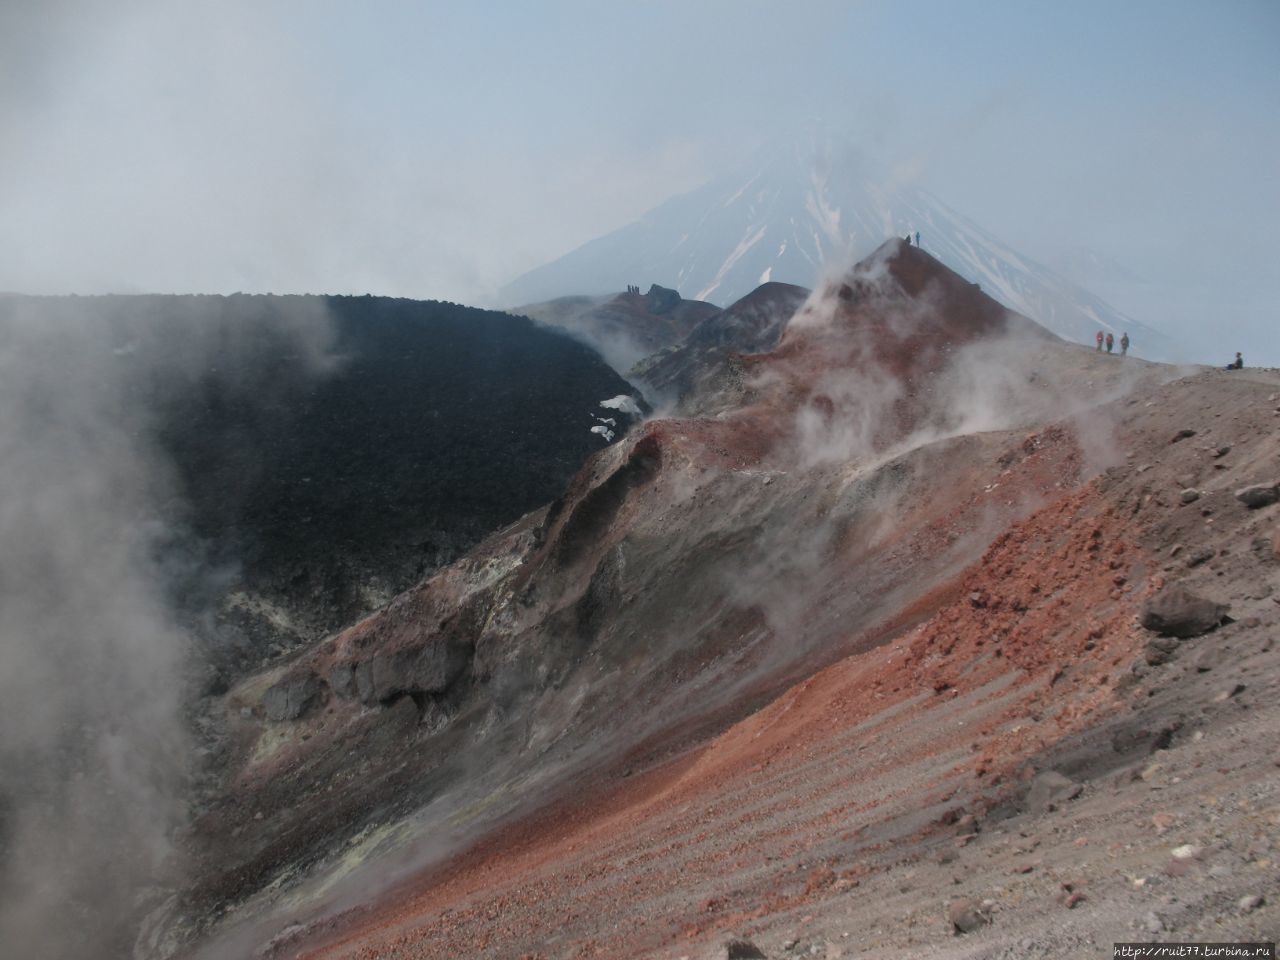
(689, 369)
(626, 327)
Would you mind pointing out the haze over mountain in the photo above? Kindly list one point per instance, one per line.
(799, 204)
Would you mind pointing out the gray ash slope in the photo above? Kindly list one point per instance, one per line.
(798, 204)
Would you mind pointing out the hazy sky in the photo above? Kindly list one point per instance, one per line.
(438, 149)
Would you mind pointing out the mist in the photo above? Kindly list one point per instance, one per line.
(97, 655)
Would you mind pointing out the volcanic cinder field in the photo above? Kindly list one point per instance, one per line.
(920, 633)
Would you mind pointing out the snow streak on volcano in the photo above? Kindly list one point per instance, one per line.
(803, 203)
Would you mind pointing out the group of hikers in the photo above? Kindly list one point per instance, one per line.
(1110, 340)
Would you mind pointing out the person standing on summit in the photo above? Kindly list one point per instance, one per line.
(1111, 342)
(1124, 344)
(1098, 338)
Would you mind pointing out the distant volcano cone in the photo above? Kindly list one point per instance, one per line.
(802, 204)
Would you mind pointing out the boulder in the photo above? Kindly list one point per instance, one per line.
(1259, 495)
(742, 950)
(967, 916)
(429, 668)
(1177, 612)
(1160, 650)
(291, 696)
(662, 299)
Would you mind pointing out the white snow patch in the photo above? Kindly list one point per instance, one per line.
(603, 431)
(748, 241)
(764, 277)
(743, 189)
(623, 404)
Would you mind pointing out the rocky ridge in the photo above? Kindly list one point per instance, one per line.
(814, 658)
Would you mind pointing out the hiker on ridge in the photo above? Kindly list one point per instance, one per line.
(1124, 344)
(1110, 342)
(1099, 339)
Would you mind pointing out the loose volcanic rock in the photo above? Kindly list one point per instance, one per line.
(1160, 650)
(742, 950)
(1251, 902)
(967, 916)
(1210, 657)
(1177, 612)
(1202, 555)
(1259, 495)
(1182, 434)
(1190, 495)
(1049, 790)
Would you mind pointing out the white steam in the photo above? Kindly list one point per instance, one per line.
(93, 752)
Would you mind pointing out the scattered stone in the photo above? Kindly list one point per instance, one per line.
(967, 824)
(1259, 495)
(1049, 790)
(1162, 822)
(1202, 555)
(1182, 434)
(1190, 495)
(1250, 903)
(1160, 650)
(1223, 450)
(1177, 868)
(790, 944)
(1225, 695)
(1210, 657)
(1072, 900)
(1177, 612)
(1188, 851)
(967, 916)
(742, 950)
